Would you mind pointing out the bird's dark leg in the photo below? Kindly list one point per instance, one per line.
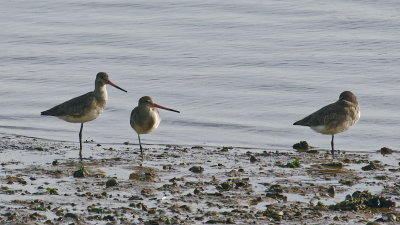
(140, 144)
(80, 142)
(332, 145)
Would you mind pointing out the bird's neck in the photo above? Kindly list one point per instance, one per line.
(100, 92)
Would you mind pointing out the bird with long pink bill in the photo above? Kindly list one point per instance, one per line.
(86, 107)
(145, 117)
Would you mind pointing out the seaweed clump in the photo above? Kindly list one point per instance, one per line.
(362, 200)
(294, 164)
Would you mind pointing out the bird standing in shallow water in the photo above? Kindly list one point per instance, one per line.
(84, 108)
(334, 118)
(145, 117)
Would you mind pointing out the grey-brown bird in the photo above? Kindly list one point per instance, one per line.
(84, 108)
(334, 118)
(145, 117)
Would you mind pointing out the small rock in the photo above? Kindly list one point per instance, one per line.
(145, 174)
(183, 208)
(71, 215)
(302, 145)
(226, 148)
(371, 166)
(347, 160)
(386, 150)
(112, 182)
(109, 218)
(196, 169)
(253, 159)
(346, 182)
(197, 191)
(331, 191)
(146, 191)
(55, 162)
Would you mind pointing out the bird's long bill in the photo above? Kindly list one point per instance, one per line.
(162, 107)
(116, 86)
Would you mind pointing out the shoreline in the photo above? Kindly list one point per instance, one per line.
(189, 184)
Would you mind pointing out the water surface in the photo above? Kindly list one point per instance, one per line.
(241, 72)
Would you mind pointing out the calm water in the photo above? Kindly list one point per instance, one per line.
(241, 72)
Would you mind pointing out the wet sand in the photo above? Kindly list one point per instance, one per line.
(40, 184)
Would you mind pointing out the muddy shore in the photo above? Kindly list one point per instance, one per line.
(43, 182)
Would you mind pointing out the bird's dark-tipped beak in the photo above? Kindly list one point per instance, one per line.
(116, 86)
(163, 107)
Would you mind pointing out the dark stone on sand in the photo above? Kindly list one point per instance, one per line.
(177, 208)
(112, 182)
(386, 150)
(71, 215)
(346, 182)
(198, 191)
(226, 148)
(371, 166)
(235, 183)
(277, 216)
(253, 159)
(382, 177)
(145, 174)
(331, 191)
(255, 201)
(147, 191)
(196, 169)
(302, 145)
(347, 161)
(275, 192)
(379, 202)
(109, 218)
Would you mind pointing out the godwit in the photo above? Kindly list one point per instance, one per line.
(145, 117)
(334, 118)
(84, 108)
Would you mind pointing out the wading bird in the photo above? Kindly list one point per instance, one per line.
(145, 117)
(84, 108)
(334, 118)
